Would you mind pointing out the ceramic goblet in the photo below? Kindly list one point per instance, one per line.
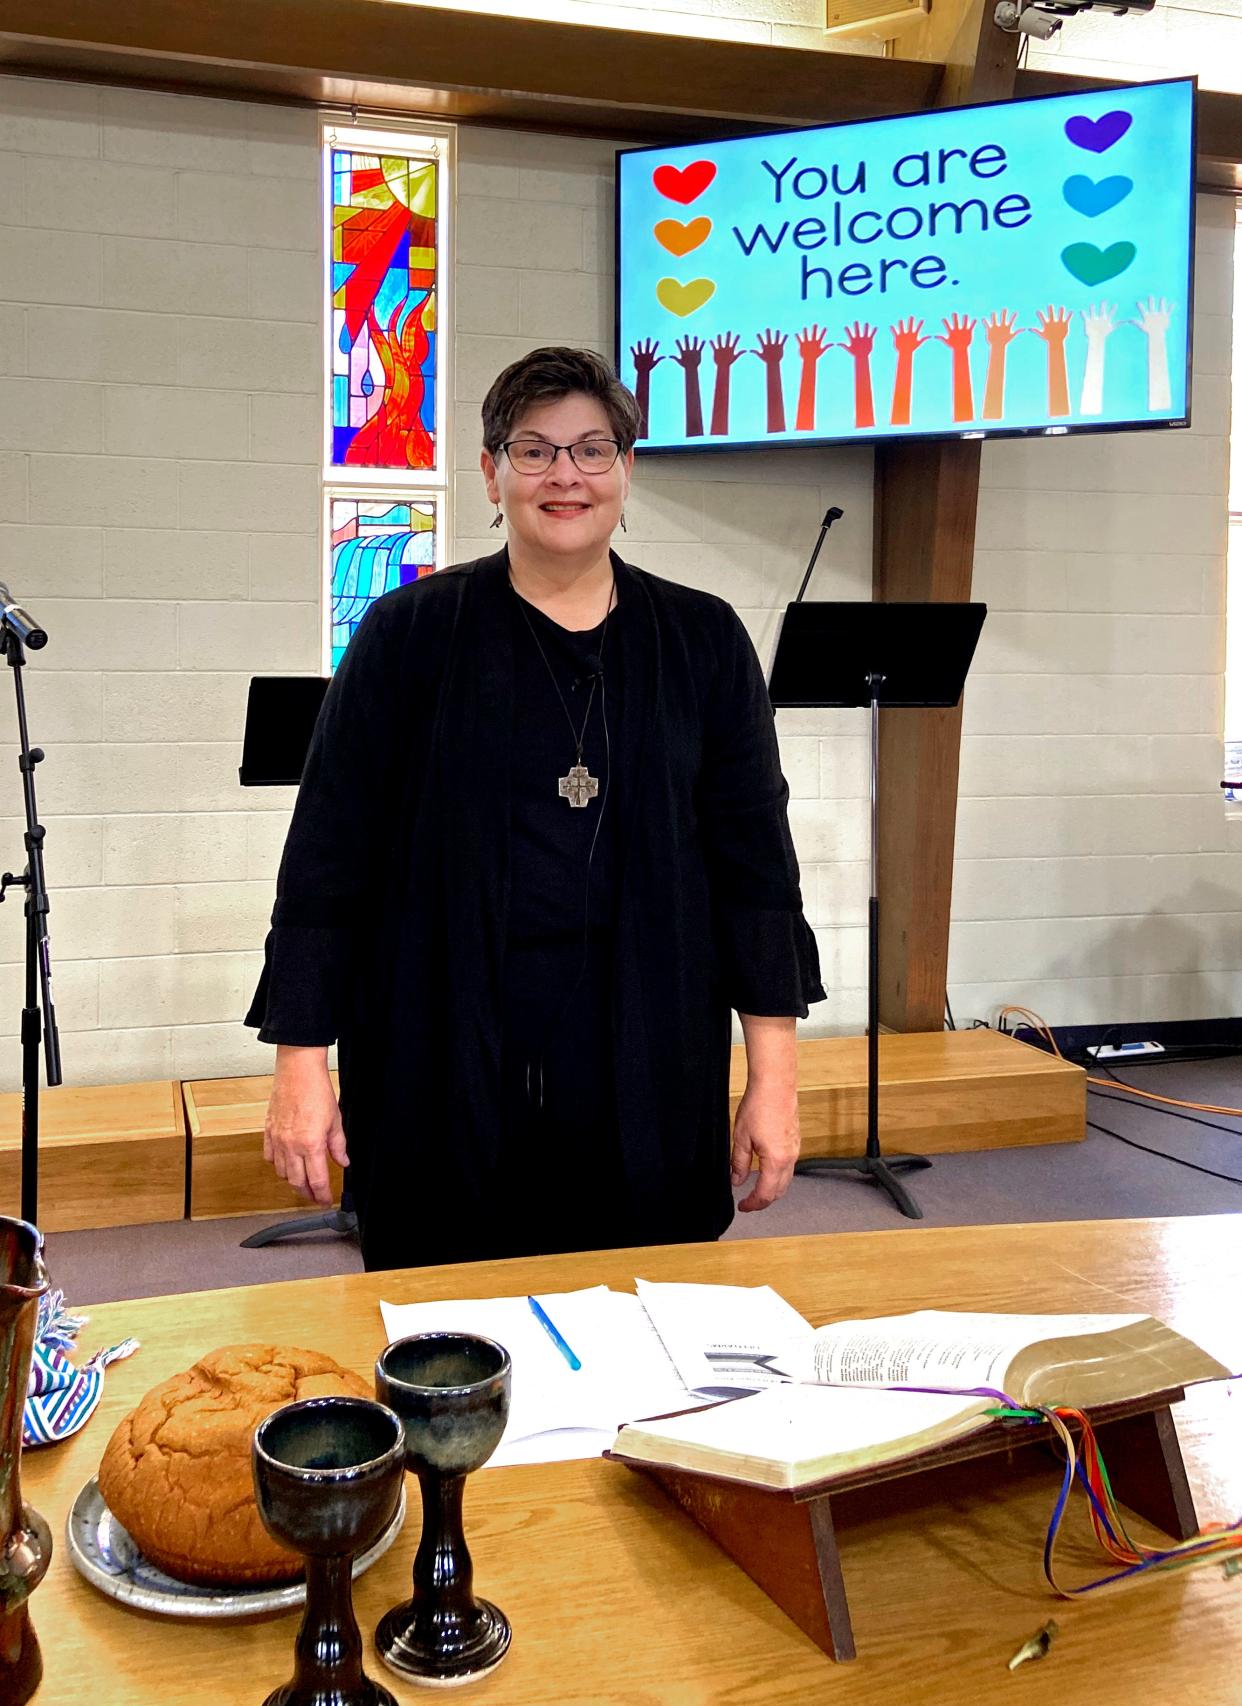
(451, 1391)
(327, 1478)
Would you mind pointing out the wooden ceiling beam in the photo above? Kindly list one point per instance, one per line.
(461, 65)
(404, 57)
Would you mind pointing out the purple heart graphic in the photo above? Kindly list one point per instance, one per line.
(1097, 134)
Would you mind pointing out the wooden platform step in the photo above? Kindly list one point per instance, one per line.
(228, 1174)
(940, 1092)
(109, 1155)
(115, 1155)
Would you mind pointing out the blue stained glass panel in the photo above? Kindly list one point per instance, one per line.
(378, 544)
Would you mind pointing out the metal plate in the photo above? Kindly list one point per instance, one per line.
(108, 1557)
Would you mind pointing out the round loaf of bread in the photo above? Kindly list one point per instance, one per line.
(176, 1473)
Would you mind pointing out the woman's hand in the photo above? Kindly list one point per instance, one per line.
(765, 1128)
(303, 1125)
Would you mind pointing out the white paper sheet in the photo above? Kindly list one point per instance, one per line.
(556, 1412)
(723, 1339)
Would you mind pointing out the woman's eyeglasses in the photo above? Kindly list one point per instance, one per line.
(534, 456)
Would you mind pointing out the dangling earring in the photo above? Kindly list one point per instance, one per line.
(499, 516)
(624, 528)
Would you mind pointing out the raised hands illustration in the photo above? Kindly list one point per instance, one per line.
(1000, 330)
(1154, 319)
(644, 357)
(958, 334)
(725, 351)
(771, 350)
(907, 338)
(812, 342)
(771, 346)
(1054, 324)
(1099, 323)
(858, 343)
(859, 339)
(1053, 328)
(688, 356)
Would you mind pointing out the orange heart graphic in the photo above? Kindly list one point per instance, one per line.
(683, 299)
(679, 239)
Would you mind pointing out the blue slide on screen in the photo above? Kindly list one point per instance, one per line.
(1019, 267)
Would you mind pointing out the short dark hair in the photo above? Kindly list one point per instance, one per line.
(547, 375)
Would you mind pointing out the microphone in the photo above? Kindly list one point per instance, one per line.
(20, 622)
(592, 670)
(831, 514)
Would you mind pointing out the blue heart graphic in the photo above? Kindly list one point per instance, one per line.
(1097, 134)
(1087, 196)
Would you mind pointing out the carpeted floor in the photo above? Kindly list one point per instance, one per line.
(1103, 1178)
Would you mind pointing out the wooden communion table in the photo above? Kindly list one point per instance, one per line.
(616, 1597)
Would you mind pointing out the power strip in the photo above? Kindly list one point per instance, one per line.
(1124, 1051)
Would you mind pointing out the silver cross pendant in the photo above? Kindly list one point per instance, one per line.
(579, 786)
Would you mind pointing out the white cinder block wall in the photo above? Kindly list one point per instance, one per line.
(159, 437)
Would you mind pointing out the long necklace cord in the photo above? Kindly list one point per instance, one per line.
(579, 735)
(597, 681)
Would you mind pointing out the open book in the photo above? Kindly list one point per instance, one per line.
(865, 1393)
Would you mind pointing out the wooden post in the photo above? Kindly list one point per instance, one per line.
(926, 502)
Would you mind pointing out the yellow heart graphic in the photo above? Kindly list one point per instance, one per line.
(683, 299)
(679, 239)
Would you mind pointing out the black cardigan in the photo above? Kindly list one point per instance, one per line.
(388, 932)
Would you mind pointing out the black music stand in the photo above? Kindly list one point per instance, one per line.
(874, 654)
(280, 718)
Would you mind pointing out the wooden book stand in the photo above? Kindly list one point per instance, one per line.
(786, 1541)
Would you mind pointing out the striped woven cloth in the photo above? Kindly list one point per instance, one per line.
(60, 1397)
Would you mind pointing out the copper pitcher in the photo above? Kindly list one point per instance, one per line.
(25, 1539)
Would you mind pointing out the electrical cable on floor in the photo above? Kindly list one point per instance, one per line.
(1169, 1113)
(1163, 1154)
(1042, 1027)
(948, 1013)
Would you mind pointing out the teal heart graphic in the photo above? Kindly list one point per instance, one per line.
(1086, 196)
(1095, 266)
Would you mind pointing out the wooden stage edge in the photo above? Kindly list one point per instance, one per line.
(121, 1154)
(941, 1092)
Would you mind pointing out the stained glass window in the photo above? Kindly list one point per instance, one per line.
(378, 544)
(384, 235)
(385, 231)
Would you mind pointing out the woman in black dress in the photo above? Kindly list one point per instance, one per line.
(540, 852)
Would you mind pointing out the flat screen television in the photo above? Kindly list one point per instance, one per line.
(1023, 267)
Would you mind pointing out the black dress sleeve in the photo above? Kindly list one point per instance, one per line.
(764, 945)
(324, 889)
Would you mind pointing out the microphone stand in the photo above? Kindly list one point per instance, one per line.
(38, 952)
(873, 1165)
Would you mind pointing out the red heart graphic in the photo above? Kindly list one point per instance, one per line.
(684, 183)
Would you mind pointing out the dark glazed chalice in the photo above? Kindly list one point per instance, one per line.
(451, 1390)
(327, 1478)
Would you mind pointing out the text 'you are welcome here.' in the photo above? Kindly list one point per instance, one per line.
(991, 268)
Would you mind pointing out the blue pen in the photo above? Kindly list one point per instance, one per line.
(546, 1322)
